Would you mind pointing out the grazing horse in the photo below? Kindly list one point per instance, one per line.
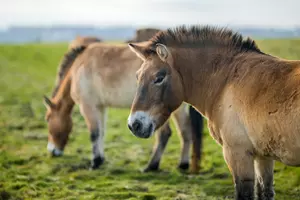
(99, 76)
(75, 47)
(250, 99)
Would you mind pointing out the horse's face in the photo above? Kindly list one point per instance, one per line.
(159, 93)
(59, 127)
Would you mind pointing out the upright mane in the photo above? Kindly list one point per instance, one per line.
(65, 65)
(201, 36)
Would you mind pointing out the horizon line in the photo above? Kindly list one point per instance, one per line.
(90, 25)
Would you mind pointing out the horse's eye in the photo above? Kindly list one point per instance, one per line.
(159, 79)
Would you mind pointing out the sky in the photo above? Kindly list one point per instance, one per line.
(270, 13)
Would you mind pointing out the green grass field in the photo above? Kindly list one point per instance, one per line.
(27, 172)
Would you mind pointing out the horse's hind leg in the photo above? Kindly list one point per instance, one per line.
(241, 165)
(264, 178)
(161, 139)
(197, 135)
(95, 120)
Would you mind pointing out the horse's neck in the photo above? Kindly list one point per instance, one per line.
(204, 78)
(63, 95)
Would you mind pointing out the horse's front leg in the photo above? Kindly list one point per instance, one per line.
(264, 178)
(241, 164)
(161, 139)
(95, 120)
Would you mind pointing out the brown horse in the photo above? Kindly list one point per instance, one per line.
(76, 46)
(99, 76)
(83, 41)
(143, 34)
(250, 99)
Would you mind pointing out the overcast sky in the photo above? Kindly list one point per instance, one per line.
(279, 13)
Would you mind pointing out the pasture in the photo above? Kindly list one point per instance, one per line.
(28, 172)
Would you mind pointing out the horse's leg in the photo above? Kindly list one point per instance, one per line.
(95, 119)
(241, 164)
(161, 139)
(264, 178)
(184, 129)
(197, 127)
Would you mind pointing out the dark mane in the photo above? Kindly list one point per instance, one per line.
(199, 36)
(65, 65)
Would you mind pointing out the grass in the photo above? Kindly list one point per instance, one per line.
(27, 172)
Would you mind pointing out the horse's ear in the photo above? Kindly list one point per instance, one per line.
(48, 103)
(164, 54)
(140, 49)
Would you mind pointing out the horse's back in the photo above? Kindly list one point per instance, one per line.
(83, 41)
(105, 74)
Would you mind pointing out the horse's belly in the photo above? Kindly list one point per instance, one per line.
(291, 159)
(289, 155)
(280, 147)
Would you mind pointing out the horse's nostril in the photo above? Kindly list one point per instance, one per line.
(136, 126)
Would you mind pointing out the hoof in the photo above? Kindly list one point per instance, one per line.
(183, 166)
(97, 162)
(152, 168)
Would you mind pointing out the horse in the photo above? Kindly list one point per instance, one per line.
(250, 99)
(99, 76)
(143, 34)
(83, 41)
(75, 47)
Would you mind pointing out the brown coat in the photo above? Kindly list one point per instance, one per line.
(250, 99)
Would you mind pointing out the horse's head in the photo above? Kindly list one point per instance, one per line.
(59, 127)
(160, 90)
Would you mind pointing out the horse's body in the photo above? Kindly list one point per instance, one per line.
(250, 99)
(265, 103)
(99, 76)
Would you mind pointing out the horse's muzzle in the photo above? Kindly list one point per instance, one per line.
(55, 152)
(141, 124)
(138, 129)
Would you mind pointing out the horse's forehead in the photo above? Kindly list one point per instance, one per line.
(148, 70)
(51, 113)
(153, 64)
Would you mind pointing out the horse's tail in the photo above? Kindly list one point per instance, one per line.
(197, 135)
(66, 64)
